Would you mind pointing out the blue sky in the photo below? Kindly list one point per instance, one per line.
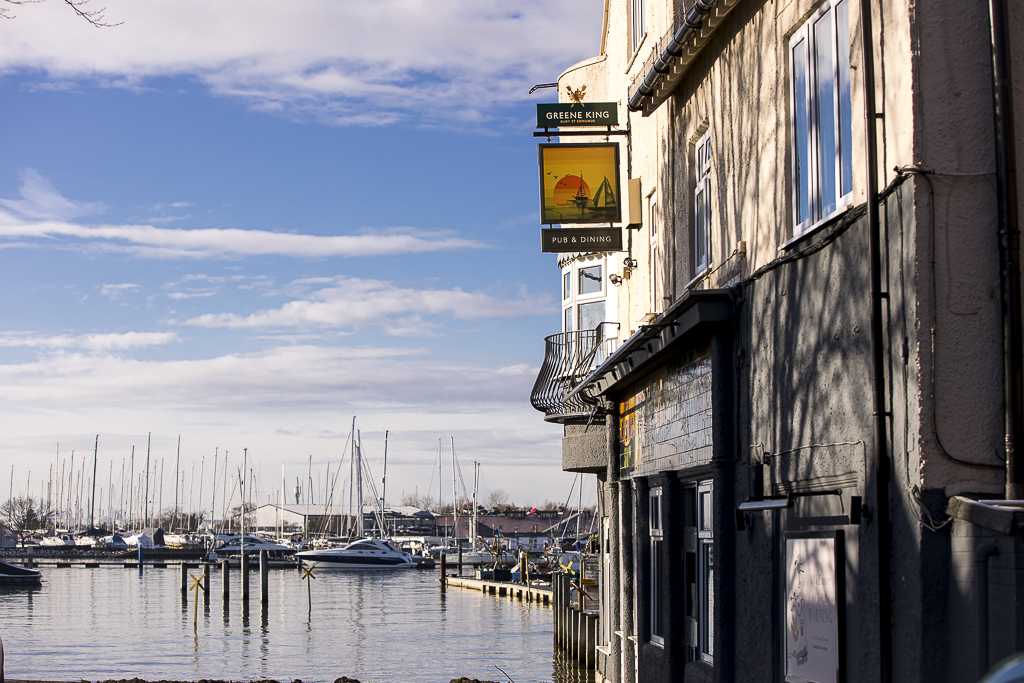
(243, 222)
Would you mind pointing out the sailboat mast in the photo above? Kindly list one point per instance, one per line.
(177, 462)
(145, 515)
(213, 501)
(131, 488)
(476, 486)
(455, 498)
(384, 485)
(359, 485)
(92, 502)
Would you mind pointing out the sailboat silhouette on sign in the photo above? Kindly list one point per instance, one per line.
(605, 196)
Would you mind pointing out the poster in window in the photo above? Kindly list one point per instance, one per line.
(579, 183)
(814, 608)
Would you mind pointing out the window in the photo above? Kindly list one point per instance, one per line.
(702, 205)
(567, 320)
(656, 603)
(590, 281)
(699, 570)
(657, 285)
(591, 315)
(567, 286)
(821, 113)
(706, 572)
(637, 24)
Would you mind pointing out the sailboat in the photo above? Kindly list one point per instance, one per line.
(359, 552)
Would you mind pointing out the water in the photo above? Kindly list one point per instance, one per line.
(111, 622)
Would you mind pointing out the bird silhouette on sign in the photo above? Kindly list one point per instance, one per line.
(576, 95)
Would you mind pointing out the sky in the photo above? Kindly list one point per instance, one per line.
(241, 223)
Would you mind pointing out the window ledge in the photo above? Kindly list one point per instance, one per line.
(606, 650)
(636, 52)
(827, 220)
(698, 278)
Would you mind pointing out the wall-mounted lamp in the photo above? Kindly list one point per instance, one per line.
(629, 262)
(616, 279)
(757, 504)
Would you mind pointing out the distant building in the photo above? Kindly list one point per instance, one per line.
(331, 520)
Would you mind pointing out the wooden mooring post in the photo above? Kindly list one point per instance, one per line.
(184, 580)
(225, 579)
(207, 570)
(444, 572)
(245, 576)
(264, 577)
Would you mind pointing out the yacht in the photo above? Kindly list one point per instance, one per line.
(365, 553)
(233, 546)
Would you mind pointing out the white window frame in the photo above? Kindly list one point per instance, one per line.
(656, 529)
(702, 205)
(657, 267)
(705, 561)
(637, 24)
(571, 305)
(814, 166)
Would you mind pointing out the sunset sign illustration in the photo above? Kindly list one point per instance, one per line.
(579, 183)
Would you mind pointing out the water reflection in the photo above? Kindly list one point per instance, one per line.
(375, 627)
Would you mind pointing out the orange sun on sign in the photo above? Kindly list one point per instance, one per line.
(567, 188)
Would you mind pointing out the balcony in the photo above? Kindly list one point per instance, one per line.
(569, 357)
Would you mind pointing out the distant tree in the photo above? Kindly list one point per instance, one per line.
(179, 521)
(235, 517)
(498, 498)
(21, 515)
(94, 17)
(418, 500)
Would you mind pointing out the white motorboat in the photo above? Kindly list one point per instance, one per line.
(365, 553)
(252, 545)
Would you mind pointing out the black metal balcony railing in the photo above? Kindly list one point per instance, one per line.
(568, 358)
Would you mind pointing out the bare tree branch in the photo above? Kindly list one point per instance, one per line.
(94, 17)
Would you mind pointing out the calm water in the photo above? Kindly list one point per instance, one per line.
(111, 622)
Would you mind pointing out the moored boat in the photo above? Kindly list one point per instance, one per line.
(12, 574)
(365, 553)
(252, 545)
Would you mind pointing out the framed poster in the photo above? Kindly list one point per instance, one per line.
(814, 607)
(579, 183)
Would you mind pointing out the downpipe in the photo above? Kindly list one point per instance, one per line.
(1009, 249)
(882, 467)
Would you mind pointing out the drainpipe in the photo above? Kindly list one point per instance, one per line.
(881, 445)
(981, 556)
(1009, 249)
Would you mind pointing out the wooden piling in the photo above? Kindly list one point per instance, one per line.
(206, 582)
(245, 576)
(264, 577)
(444, 570)
(225, 578)
(184, 580)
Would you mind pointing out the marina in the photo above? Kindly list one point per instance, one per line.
(102, 622)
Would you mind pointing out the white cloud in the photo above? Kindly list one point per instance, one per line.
(349, 62)
(170, 243)
(41, 200)
(117, 292)
(93, 343)
(280, 379)
(354, 302)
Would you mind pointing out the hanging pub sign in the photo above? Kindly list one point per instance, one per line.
(562, 114)
(561, 240)
(579, 183)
